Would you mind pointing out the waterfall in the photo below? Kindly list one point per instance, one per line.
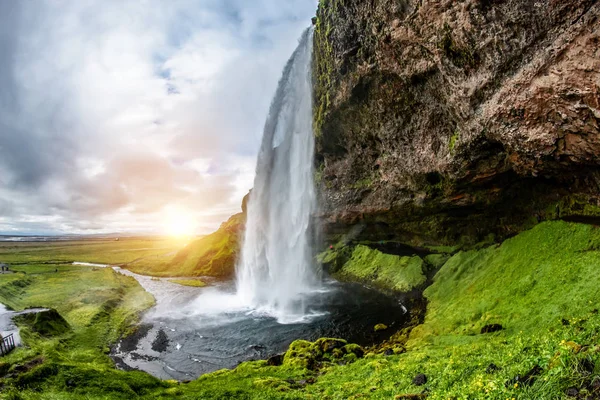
(276, 269)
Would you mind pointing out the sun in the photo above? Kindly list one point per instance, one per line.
(179, 223)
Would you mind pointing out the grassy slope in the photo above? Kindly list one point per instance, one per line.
(540, 285)
(212, 255)
(99, 305)
(383, 270)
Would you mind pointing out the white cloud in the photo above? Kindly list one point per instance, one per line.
(113, 111)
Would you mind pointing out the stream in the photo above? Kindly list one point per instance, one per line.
(192, 331)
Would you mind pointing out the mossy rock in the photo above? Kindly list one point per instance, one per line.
(46, 323)
(386, 271)
(306, 355)
(301, 354)
(436, 260)
(353, 348)
(272, 383)
(327, 345)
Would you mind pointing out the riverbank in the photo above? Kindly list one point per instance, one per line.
(519, 319)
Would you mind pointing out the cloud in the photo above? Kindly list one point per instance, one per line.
(112, 111)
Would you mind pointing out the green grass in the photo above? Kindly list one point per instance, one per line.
(528, 283)
(188, 282)
(386, 271)
(541, 285)
(99, 305)
(213, 255)
(101, 251)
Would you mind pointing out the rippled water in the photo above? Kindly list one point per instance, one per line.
(192, 331)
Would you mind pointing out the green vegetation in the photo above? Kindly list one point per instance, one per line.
(213, 255)
(453, 140)
(67, 348)
(189, 282)
(538, 289)
(100, 251)
(529, 282)
(386, 271)
(46, 323)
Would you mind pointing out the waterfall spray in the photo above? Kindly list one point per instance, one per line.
(276, 269)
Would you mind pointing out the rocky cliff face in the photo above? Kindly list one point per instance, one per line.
(449, 121)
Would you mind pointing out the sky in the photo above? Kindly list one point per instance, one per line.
(132, 116)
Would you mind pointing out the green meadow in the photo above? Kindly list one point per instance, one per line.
(539, 288)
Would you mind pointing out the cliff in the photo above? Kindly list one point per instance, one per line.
(445, 122)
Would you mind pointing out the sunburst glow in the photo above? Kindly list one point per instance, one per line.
(179, 223)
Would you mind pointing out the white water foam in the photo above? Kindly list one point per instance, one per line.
(276, 272)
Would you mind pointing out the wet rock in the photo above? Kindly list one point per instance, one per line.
(301, 354)
(313, 356)
(137, 356)
(25, 367)
(130, 343)
(121, 364)
(275, 361)
(388, 352)
(420, 380)
(161, 342)
(491, 328)
(492, 368)
(527, 379)
(257, 347)
(327, 345)
(572, 392)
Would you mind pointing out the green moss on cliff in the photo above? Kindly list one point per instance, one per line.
(527, 283)
(453, 140)
(386, 271)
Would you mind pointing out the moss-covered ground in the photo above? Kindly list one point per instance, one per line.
(387, 271)
(540, 289)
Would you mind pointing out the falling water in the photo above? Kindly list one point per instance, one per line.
(276, 269)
